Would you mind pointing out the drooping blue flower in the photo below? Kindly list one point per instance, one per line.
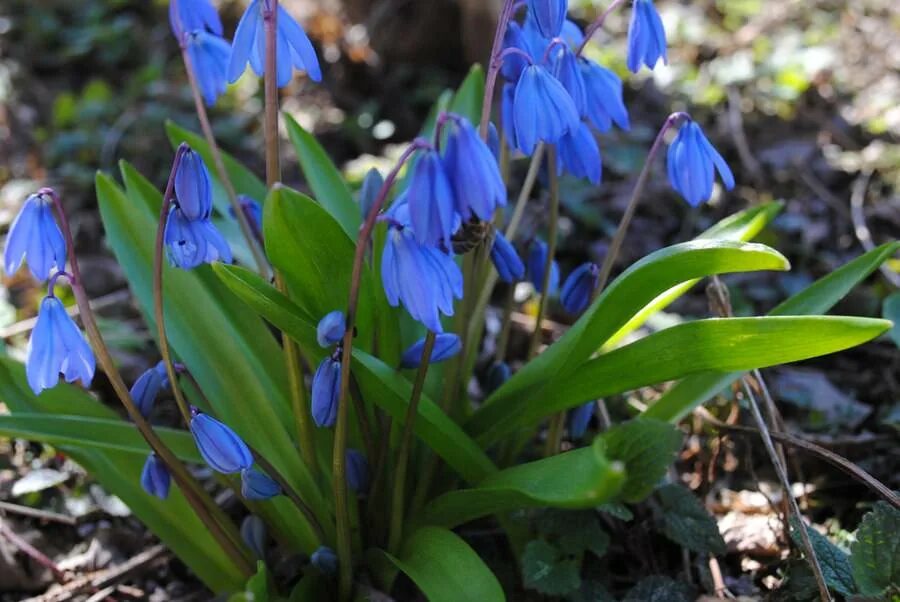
(36, 238)
(568, 72)
(147, 387)
(222, 449)
(578, 154)
(514, 63)
(537, 261)
(193, 15)
(473, 172)
(507, 261)
(294, 50)
(209, 56)
(446, 345)
(507, 114)
(691, 163)
(369, 190)
(603, 97)
(252, 211)
(193, 191)
(543, 111)
(57, 347)
(331, 329)
(253, 533)
(191, 243)
(572, 34)
(548, 15)
(579, 418)
(430, 199)
(155, 477)
(257, 487)
(579, 287)
(424, 279)
(498, 374)
(357, 471)
(325, 560)
(646, 37)
(326, 389)
(493, 140)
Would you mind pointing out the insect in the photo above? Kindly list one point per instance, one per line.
(471, 235)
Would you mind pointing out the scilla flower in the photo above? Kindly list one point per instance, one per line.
(505, 258)
(430, 200)
(222, 449)
(572, 35)
(193, 15)
(543, 111)
(192, 188)
(34, 237)
(209, 56)
(514, 63)
(579, 287)
(326, 388)
(357, 472)
(691, 161)
(257, 487)
(147, 387)
(192, 243)
(603, 97)
(568, 72)
(537, 261)
(325, 560)
(646, 37)
(252, 211)
(369, 190)
(579, 419)
(331, 328)
(293, 46)
(57, 347)
(578, 154)
(155, 477)
(474, 175)
(548, 15)
(446, 345)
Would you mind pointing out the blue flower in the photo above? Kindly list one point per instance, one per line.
(57, 346)
(147, 387)
(222, 449)
(543, 111)
(473, 172)
(691, 160)
(548, 15)
(514, 63)
(357, 471)
(325, 560)
(537, 260)
(193, 15)
(326, 389)
(369, 190)
(430, 199)
(331, 329)
(568, 72)
(445, 346)
(507, 114)
(572, 34)
(579, 418)
(252, 211)
(192, 189)
(424, 279)
(294, 50)
(253, 533)
(498, 374)
(209, 56)
(646, 37)
(578, 153)
(493, 141)
(603, 97)
(579, 287)
(191, 243)
(155, 477)
(35, 237)
(505, 258)
(257, 487)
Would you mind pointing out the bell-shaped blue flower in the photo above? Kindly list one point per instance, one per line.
(646, 37)
(543, 111)
(325, 560)
(147, 387)
(193, 191)
(253, 533)
(493, 141)
(35, 237)
(507, 261)
(294, 50)
(369, 190)
(257, 487)
(571, 33)
(537, 261)
(568, 72)
(579, 418)
(191, 243)
(252, 211)
(446, 345)
(155, 477)
(603, 97)
(423, 278)
(430, 199)
(514, 63)
(193, 15)
(579, 287)
(331, 329)
(209, 56)
(326, 388)
(548, 15)
(691, 161)
(579, 154)
(357, 471)
(57, 347)
(222, 449)
(474, 175)
(507, 114)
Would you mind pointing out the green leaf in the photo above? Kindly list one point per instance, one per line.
(546, 570)
(647, 448)
(445, 568)
(834, 562)
(617, 510)
(657, 588)
(686, 521)
(469, 96)
(818, 298)
(326, 182)
(638, 286)
(574, 531)
(582, 478)
(875, 555)
(891, 311)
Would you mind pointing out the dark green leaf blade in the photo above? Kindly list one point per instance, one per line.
(646, 447)
(875, 555)
(686, 521)
(834, 562)
(547, 571)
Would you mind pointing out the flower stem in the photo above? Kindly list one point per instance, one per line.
(596, 25)
(551, 251)
(494, 66)
(291, 493)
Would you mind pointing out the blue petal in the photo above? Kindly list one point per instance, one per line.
(325, 560)
(325, 393)
(430, 199)
(718, 161)
(537, 261)
(257, 487)
(579, 419)
(579, 154)
(23, 229)
(446, 345)
(579, 288)
(243, 46)
(155, 477)
(473, 173)
(548, 15)
(192, 188)
(222, 449)
(506, 260)
(357, 471)
(303, 55)
(45, 353)
(331, 329)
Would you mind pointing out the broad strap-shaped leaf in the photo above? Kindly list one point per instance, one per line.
(818, 298)
(646, 448)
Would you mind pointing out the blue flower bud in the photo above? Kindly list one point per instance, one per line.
(57, 346)
(222, 449)
(326, 387)
(35, 237)
(505, 258)
(331, 329)
(646, 37)
(691, 160)
(548, 15)
(252, 211)
(537, 260)
(572, 34)
(357, 471)
(147, 387)
(579, 287)
(498, 374)
(579, 418)
(192, 243)
(543, 111)
(445, 346)
(369, 190)
(493, 141)
(603, 93)
(155, 477)
(253, 533)
(325, 560)
(473, 172)
(514, 63)
(257, 487)
(192, 188)
(430, 199)
(209, 54)
(192, 15)
(579, 154)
